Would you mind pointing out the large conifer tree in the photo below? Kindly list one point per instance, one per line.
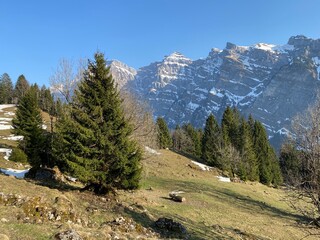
(28, 123)
(21, 87)
(211, 142)
(249, 165)
(93, 139)
(164, 138)
(6, 89)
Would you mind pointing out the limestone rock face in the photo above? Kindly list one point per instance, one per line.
(273, 83)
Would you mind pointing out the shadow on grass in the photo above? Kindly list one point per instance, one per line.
(52, 184)
(233, 199)
(195, 230)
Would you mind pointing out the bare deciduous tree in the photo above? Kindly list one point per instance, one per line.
(139, 114)
(65, 78)
(305, 194)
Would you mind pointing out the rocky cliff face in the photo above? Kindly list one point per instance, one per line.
(273, 83)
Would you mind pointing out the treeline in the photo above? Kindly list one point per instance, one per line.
(237, 146)
(92, 135)
(10, 94)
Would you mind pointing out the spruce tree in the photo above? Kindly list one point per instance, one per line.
(21, 87)
(249, 169)
(164, 138)
(195, 149)
(211, 143)
(269, 168)
(6, 89)
(28, 123)
(263, 154)
(230, 126)
(93, 139)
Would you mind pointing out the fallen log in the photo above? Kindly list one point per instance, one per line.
(177, 198)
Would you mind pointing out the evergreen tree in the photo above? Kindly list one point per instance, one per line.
(6, 89)
(212, 143)
(249, 169)
(164, 138)
(93, 139)
(195, 149)
(46, 100)
(28, 123)
(20, 89)
(263, 153)
(269, 168)
(290, 163)
(230, 126)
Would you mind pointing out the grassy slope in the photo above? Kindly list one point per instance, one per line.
(213, 210)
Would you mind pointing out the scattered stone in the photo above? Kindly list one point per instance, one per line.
(119, 220)
(4, 220)
(4, 237)
(68, 235)
(170, 226)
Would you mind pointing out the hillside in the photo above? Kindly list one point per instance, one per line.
(212, 210)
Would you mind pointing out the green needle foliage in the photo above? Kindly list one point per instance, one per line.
(93, 140)
(164, 138)
(28, 123)
(211, 143)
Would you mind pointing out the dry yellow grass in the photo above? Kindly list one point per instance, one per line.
(214, 209)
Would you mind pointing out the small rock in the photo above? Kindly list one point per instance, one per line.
(119, 220)
(68, 235)
(170, 225)
(58, 218)
(4, 220)
(4, 237)
(50, 216)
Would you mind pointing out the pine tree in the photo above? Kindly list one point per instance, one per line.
(164, 138)
(28, 123)
(212, 143)
(20, 89)
(93, 140)
(6, 89)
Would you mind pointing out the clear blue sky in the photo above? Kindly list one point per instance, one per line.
(35, 34)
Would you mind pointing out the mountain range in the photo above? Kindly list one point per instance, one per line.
(272, 82)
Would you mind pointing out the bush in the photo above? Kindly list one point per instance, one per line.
(18, 155)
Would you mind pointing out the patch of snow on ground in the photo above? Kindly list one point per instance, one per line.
(13, 138)
(202, 166)
(5, 127)
(14, 172)
(5, 119)
(3, 106)
(9, 113)
(223, 179)
(7, 152)
(152, 151)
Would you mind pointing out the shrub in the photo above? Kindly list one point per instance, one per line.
(18, 155)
